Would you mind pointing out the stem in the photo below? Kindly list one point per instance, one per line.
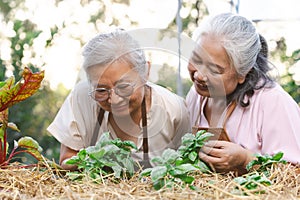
(11, 154)
(1, 159)
(4, 146)
(14, 153)
(20, 167)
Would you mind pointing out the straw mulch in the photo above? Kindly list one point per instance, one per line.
(50, 183)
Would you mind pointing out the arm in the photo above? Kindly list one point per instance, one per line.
(65, 154)
(73, 123)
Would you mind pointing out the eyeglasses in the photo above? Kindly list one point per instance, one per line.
(122, 90)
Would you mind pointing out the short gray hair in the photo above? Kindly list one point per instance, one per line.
(246, 49)
(106, 48)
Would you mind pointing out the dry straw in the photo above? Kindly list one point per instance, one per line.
(43, 182)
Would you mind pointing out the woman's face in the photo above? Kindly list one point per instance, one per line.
(211, 70)
(116, 78)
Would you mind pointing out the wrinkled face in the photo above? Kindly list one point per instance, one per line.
(210, 69)
(121, 84)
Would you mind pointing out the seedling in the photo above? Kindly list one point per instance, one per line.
(261, 167)
(106, 157)
(252, 182)
(175, 166)
(10, 94)
(265, 161)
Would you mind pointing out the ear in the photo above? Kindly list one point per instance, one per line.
(241, 79)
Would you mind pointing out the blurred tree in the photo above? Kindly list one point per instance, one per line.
(192, 12)
(167, 78)
(287, 78)
(33, 115)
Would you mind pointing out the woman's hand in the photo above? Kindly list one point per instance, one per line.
(225, 156)
(65, 154)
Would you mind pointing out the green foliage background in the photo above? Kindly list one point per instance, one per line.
(35, 114)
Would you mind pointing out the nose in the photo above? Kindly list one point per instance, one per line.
(198, 72)
(113, 97)
(199, 75)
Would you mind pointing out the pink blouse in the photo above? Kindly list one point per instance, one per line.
(271, 123)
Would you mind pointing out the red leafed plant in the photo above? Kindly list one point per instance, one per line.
(10, 94)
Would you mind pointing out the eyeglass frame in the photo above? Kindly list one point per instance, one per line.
(109, 91)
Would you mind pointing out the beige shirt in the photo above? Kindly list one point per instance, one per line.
(167, 121)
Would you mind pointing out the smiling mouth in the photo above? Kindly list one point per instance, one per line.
(201, 85)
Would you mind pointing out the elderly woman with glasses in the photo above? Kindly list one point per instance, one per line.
(117, 98)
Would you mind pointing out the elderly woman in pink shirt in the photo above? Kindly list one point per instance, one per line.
(232, 90)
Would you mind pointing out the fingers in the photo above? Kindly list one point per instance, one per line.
(211, 151)
(208, 158)
(216, 143)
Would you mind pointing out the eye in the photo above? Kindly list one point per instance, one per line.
(214, 69)
(124, 86)
(100, 90)
(197, 61)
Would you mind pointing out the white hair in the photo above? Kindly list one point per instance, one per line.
(237, 35)
(106, 48)
(246, 49)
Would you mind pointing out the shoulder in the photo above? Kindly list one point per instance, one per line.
(274, 94)
(79, 96)
(274, 98)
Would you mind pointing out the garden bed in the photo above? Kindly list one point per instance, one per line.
(43, 182)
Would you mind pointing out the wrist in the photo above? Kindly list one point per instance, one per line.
(66, 166)
(248, 156)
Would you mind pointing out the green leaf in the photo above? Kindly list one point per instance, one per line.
(111, 149)
(158, 184)
(186, 179)
(97, 154)
(103, 140)
(31, 146)
(158, 172)
(129, 166)
(158, 160)
(130, 144)
(170, 155)
(192, 187)
(204, 136)
(117, 171)
(2, 83)
(11, 94)
(13, 126)
(73, 160)
(185, 168)
(74, 175)
(202, 166)
(2, 131)
(193, 156)
(240, 180)
(146, 172)
(82, 154)
(277, 156)
(251, 164)
(187, 139)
